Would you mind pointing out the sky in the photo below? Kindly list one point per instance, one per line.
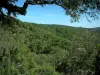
(52, 14)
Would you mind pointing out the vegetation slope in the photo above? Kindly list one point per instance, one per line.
(37, 49)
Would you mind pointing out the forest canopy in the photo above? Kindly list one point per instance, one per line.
(38, 49)
(73, 8)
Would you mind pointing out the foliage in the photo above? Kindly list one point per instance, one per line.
(35, 49)
(74, 8)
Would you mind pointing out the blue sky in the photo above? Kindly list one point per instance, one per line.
(52, 14)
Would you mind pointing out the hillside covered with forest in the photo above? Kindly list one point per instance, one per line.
(39, 49)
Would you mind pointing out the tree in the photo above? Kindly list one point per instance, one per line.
(8, 4)
(74, 8)
(97, 61)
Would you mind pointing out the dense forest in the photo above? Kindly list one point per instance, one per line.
(40, 49)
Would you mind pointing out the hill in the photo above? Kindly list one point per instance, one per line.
(38, 49)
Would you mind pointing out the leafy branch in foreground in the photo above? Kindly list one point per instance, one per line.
(74, 8)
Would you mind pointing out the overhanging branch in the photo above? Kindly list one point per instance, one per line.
(39, 2)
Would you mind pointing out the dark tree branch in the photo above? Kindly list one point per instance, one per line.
(74, 8)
